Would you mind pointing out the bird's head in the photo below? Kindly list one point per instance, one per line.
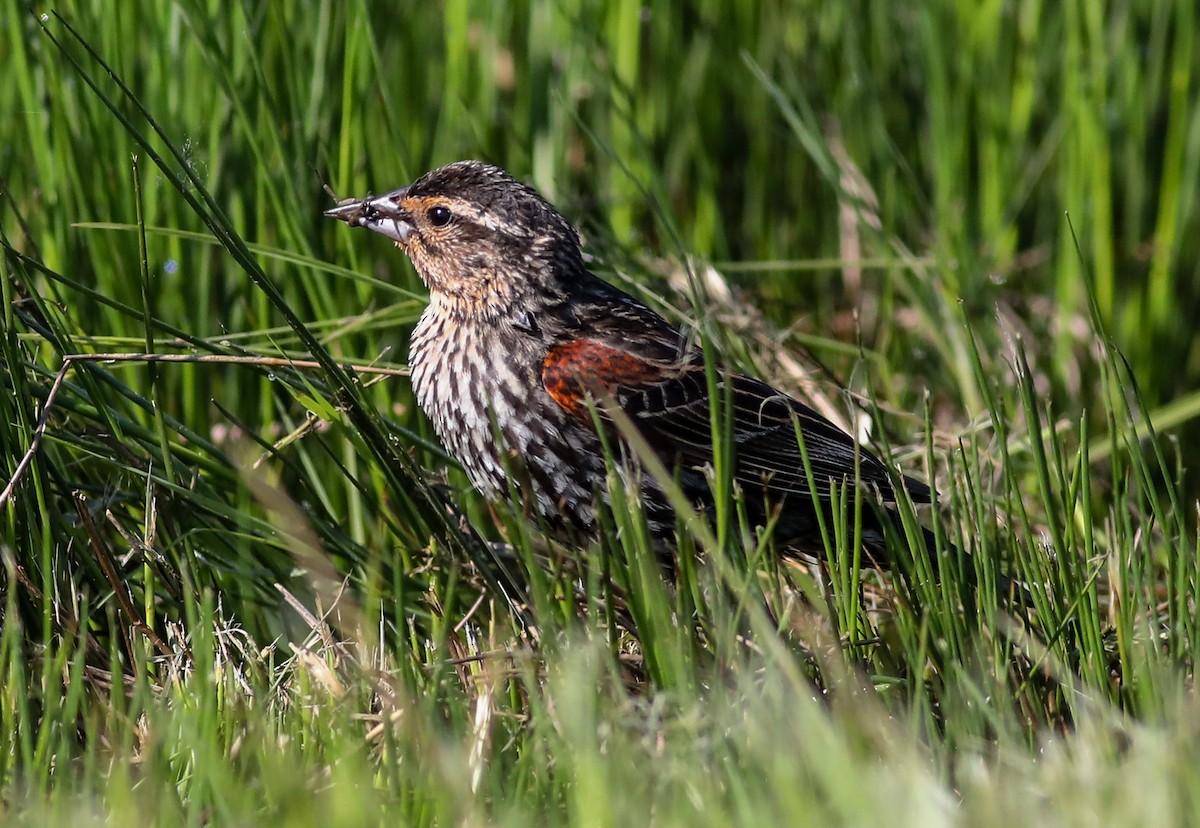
(480, 240)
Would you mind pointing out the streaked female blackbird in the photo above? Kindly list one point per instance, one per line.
(522, 351)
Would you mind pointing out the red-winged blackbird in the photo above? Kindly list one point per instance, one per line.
(522, 349)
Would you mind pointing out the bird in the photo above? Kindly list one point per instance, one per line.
(530, 366)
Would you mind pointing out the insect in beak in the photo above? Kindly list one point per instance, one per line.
(383, 214)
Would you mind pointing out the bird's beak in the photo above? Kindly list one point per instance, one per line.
(383, 214)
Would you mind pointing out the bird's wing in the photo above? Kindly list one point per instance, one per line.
(666, 396)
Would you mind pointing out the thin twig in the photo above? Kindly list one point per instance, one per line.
(38, 431)
(229, 359)
(69, 361)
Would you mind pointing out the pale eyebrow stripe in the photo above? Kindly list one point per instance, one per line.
(476, 212)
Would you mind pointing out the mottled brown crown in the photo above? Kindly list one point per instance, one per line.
(518, 209)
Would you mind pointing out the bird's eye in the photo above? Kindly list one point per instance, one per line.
(439, 216)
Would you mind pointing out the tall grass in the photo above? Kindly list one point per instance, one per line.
(251, 584)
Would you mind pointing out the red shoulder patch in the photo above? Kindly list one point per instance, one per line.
(573, 370)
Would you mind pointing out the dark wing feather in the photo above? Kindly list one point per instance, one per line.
(673, 413)
(630, 355)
